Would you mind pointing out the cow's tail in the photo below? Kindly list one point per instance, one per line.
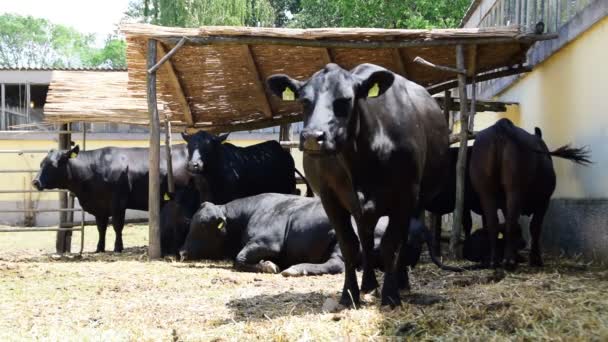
(309, 192)
(428, 239)
(580, 155)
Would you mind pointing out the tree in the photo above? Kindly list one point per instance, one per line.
(193, 13)
(26, 41)
(380, 13)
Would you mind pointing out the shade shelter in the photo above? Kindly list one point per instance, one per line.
(212, 78)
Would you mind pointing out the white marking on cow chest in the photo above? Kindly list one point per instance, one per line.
(382, 144)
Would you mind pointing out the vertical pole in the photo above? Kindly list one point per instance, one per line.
(447, 104)
(285, 134)
(171, 183)
(462, 155)
(63, 242)
(28, 99)
(3, 113)
(154, 163)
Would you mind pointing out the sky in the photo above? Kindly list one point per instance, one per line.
(87, 16)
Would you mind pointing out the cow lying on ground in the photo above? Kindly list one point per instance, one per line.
(273, 232)
(389, 136)
(106, 181)
(235, 172)
(512, 170)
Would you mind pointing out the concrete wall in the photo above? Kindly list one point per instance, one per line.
(20, 181)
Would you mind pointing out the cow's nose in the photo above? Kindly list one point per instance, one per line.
(313, 140)
(195, 166)
(183, 255)
(36, 184)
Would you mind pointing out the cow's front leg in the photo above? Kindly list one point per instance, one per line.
(118, 221)
(365, 228)
(252, 258)
(102, 226)
(349, 245)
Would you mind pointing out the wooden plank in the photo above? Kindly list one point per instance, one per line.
(253, 67)
(462, 156)
(398, 58)
(178, 90)
(426, 63)
(437, 88)
(481, 105)
(154, 163)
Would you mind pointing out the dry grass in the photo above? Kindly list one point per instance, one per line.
(124, 297)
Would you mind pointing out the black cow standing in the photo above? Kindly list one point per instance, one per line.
(389, 137)
(512, 170)
(235, 172)
(106, 181)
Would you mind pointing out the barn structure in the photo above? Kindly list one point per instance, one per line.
(212, 78)
(565, 95)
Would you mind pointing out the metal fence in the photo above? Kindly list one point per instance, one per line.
(67, 206)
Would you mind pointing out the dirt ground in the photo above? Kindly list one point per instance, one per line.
(112, 297)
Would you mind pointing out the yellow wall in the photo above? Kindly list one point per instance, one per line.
(567, 97)
(19, 181)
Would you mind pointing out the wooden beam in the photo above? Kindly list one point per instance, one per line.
(471, 71)
(481, 105)
(437, 88)
(253, 67)
(471, 60)
(426, 63)
(462, 156)
(167, 55)
(399, 62)
(178, 90)
(328, 56)
(154, 162)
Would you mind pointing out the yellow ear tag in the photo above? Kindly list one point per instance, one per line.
(166, 197)
(374, 91)
(500, 235)
(73, 155)
(288, 94)
(220, 225)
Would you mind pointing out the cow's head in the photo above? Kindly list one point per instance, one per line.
(207, 234)
(54, 169)
(329, 100)
(203, 149)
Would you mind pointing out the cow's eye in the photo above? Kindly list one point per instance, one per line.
(341, 107)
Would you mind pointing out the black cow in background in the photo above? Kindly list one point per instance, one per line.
(476, 246)
(389, 137)
(106, 181)
(235, 172)
(512, 170)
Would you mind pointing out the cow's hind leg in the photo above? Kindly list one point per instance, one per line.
(118, 222)
(535, 231)
(511, 225)
(251, 258)
(365, 228)
(102, 226)
(488, 203)
(395, 234)
(436, 229)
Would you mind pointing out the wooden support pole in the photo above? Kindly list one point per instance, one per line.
(154, 163)
(426, 63)
(63, 241)
(285, 135)
(471, 71)
(178, 89)
(166, 57)
(462, 155)
(398, 58)
(170, 181)
(3, 124)
(259, 81)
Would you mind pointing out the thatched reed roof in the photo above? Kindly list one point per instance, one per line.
(216, 80)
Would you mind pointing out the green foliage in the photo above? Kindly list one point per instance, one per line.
(194, 13)
(380, 13)
(26, 41)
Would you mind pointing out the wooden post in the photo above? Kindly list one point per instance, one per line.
(3, 113)
(154, 163)
(285, 135)
(447, 104)
(28, 97)
(63, 242)
(462, 155)
(171, 183)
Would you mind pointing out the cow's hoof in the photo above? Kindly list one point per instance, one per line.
(510, 265)
(100, 250)
(393, 301)
(350, 302)
(269, 267)
(536, 261)
(118, 250)
(369, 283)
(293, 272)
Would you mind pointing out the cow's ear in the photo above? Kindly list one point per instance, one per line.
(222, 137)
(376, 84)
(185, 136)
(73, 153)
(284, 87)
(538, 132)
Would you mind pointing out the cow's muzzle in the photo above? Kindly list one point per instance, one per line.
(37, 185)
(195, 167)
(312, 141)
